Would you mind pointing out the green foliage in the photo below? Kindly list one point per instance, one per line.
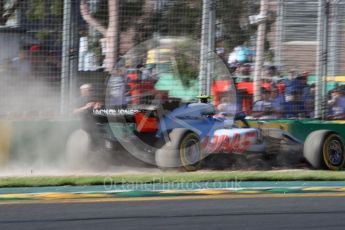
(130, 11)
(56, 8)
(95, 47)
(180, 18)
(187, 63)
(187, 71)
(229, 14)
(101, 13)
(37, 10)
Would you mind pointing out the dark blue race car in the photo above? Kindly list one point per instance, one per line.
(184, 134)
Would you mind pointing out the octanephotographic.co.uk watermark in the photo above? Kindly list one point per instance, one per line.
(157, 184)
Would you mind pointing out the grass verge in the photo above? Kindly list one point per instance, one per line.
(173, 177)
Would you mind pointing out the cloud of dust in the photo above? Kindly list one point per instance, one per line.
(40, 145)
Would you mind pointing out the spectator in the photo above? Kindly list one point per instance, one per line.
(263, 109)
(86, 101)
(240, 55)
(293, 107)
(146, 74)
(221, 53)
(117, 89)
(293, 84)
(244, 54)
(278, 100)
(304, 85)
(84, 107)
(292, 74)
(232, 60)
(309, 100)
(266, 81)
(243, 73)
(337, 103)
(138, 71)
(274, 75)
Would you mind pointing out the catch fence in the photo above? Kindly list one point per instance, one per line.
(285, 57)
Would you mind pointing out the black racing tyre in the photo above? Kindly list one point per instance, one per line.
(324, 149)
(183, 150)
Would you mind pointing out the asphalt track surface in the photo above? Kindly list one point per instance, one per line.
(309, 212)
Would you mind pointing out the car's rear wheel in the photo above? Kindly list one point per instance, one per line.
(183, 150)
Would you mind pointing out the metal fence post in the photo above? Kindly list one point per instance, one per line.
(70, 45)
(204, 48)
(65, 68)
(260, 45)
(211, 45)
(73, 54)
(334, 38)
(318, 110)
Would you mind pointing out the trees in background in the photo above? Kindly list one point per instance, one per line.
(179, 18)
(131, 22)
(119, 22)
(184, 18)
(123, 23)
(232, 18)
(35, 9)
(108, 30)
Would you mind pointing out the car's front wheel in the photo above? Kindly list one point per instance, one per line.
(324, 149)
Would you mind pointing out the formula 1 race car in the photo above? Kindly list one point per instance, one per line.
(182, 135)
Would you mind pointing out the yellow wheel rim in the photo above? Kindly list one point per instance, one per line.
(333, 152)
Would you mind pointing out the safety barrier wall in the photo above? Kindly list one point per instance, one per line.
(26, 140)
(302, 128)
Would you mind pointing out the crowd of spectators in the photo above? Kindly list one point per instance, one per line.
(336, 103)
(282, 96)
(287, 97)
